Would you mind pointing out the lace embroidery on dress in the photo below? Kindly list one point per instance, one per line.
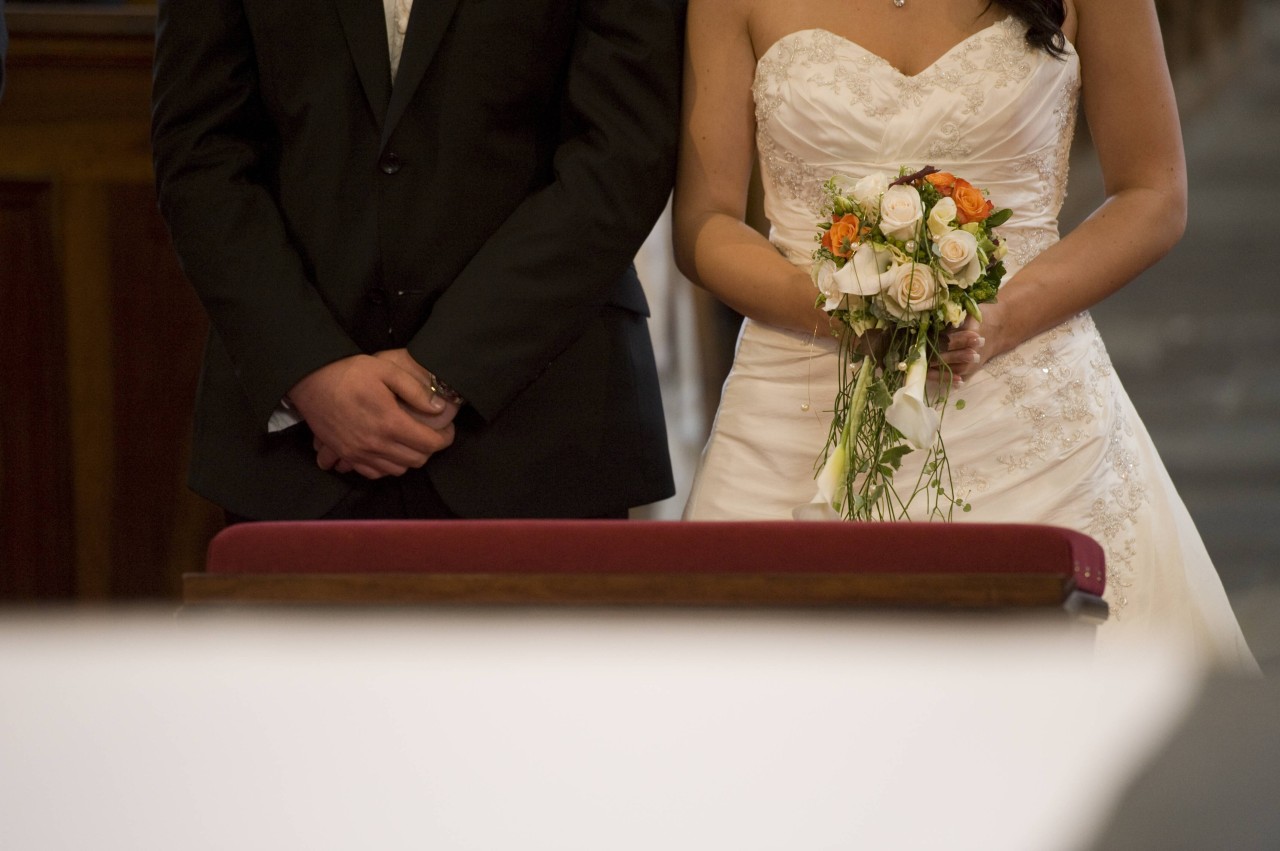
(1052, 163)
(950, 145)
(1059, 423)
(968, 483)
(791, 175)
(1112, 516)
(1027, 244)
(1002, 51)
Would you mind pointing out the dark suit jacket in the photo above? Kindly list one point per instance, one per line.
(482, 212)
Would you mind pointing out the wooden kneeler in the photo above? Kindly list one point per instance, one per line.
(645, 563)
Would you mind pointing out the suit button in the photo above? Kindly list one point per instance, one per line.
(390, 163)
(376, 297)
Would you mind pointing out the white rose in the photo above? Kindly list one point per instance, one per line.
(864, 274)
(868, 190)
(913, 288)
(900, 212)
(957, 252)
(941, 218)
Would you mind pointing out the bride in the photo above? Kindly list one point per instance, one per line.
(987, 90)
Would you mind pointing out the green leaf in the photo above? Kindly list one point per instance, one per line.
(893, 457)
(998, 218)
(880, 395)
(959, 404)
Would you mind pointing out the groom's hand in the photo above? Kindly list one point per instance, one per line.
(372, 416)
(433, 417)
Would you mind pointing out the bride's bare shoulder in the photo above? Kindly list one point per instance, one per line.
(727, 16)
(749, 22)
(1069, 21)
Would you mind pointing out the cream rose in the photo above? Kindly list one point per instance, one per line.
(942, 218)
(913, 288)
(865, 273)
(957, 252)
(900, 212)
(868, 190)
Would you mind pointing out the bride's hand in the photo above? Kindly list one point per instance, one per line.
(968, 348)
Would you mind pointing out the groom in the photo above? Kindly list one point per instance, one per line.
(411, 225)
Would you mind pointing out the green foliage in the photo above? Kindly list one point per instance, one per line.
(893, 456)
(880, 395)
(929, 194)
(984, 289)
(998, 218)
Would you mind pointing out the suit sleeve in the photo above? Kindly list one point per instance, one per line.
(548, 270)
(211, 143)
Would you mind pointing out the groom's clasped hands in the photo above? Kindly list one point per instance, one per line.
(375, 414)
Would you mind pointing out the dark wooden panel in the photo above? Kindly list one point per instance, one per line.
(158, 528)
(36, 552)
(127, 333)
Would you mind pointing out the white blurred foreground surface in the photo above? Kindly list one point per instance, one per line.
(497, 730)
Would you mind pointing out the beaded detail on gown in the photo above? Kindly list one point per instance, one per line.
(1047, 433)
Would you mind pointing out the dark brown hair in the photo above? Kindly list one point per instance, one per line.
(1043, 19)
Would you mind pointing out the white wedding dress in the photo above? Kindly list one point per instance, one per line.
(1047, 433)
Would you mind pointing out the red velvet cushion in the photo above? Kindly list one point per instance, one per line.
(584, 546)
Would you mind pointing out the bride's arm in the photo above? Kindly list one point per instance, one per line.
(714, 246)
(1133, 119)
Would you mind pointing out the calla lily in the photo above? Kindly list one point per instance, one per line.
(910, 413)
(864, 274)
(833, 481)
(823, 275)
(833, 487)
(818, 509)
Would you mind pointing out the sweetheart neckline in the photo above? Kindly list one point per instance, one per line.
(880, 59)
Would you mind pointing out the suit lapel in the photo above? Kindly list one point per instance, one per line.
(365, 26)
(427, 24)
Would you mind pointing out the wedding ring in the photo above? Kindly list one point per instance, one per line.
(444, 391)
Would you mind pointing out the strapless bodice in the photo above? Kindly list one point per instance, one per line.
(993, 110)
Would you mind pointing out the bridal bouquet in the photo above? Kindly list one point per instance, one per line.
(902, 258)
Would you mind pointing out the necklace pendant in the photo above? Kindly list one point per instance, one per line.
(899, 3)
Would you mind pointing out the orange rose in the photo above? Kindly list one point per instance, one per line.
(842, 236)
(943, 181)
(971, 204)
